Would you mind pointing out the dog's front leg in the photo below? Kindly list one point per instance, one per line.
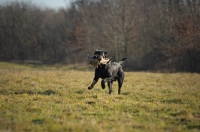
(96, 78)
(104, 81)
(92, 85)
(109, 80)
(110, 87)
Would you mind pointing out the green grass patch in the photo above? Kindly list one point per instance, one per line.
(45, 98)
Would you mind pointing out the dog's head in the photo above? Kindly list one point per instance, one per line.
(99, 57)
(99, 53)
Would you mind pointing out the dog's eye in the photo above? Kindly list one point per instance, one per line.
(95, 56)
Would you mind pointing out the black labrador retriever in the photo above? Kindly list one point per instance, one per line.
(109, 72)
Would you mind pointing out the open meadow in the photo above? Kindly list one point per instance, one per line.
(56, 98)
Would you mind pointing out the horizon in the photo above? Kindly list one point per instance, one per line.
(42, 3)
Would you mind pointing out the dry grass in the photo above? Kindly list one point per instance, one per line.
(52, 99)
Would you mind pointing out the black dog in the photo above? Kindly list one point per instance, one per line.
(109, 72)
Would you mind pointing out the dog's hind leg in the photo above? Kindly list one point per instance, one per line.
(119, 85)
(120, 82)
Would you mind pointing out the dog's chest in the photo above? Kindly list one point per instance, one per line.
(104, 71)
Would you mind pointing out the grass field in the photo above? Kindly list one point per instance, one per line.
(52, 98)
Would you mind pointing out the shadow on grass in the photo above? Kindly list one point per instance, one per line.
(29, 92)
(38, 121)
(90, 102)
(126, 93)
(173, 100)
(194, 127)
(49, 92)
(80, 92)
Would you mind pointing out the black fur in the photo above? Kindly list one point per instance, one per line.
(97, 53)
(109, 72)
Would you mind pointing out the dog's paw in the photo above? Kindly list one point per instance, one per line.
(110, 91)
(90, 87)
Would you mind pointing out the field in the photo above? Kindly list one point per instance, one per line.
(56, 98)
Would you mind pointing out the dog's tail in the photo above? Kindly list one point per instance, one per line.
(122, 61)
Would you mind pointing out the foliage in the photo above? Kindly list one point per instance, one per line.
(154, 35)
(51, 99)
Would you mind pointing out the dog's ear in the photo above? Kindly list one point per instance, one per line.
(97, 52)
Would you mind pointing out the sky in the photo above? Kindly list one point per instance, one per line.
(43, 3)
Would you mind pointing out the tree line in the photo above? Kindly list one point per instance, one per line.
(155, 35)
